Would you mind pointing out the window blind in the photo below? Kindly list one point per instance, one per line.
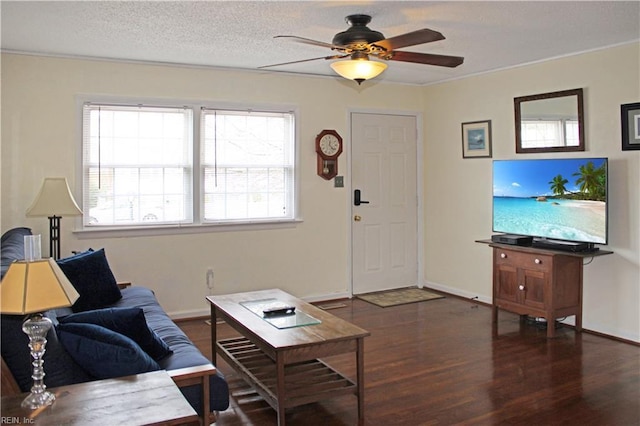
(137, 165)
(248, 165)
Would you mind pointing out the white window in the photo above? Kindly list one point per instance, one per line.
(141, 165)
(542, 133)
(248, 165)
(572, 132)
(550, 133)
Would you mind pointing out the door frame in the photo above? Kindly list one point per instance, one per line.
(419, 186)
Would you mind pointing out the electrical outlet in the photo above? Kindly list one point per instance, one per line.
(338, 182)
(210, 278)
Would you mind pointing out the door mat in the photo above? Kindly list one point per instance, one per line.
(399, 297)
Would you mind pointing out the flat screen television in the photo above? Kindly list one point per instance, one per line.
(559, 200)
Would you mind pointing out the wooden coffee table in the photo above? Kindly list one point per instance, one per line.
(144, 399)
(282, 364)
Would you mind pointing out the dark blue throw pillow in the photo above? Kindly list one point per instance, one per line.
(103, 353)
(130, 322)
(90, 274)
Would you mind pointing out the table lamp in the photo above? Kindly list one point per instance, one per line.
(31, 287)
(54, 200)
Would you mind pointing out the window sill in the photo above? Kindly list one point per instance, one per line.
(151, 230)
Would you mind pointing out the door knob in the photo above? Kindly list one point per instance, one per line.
(357, 218)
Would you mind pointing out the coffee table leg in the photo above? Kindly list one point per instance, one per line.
(214, 334)
(280, 389)
(360, 380)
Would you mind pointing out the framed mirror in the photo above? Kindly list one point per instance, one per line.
(549, 122)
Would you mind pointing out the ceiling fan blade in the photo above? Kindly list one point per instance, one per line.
(424, 35)
(311, 41)
(305, 60)
(426, 58)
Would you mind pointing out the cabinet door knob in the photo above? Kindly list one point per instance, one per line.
(521, 287)
(538, 261)
(503, 255)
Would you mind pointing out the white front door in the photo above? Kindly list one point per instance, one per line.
(384, 231)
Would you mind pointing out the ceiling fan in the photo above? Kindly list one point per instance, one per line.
(359, 42)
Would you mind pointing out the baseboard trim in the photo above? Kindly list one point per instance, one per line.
(189, 315)
(446, 290)
(451, 291)
(489, 302)
(205, 313)
(610, 336)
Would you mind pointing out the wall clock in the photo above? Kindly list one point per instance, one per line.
(328, 149)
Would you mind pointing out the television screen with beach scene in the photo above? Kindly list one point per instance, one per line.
(560, 199)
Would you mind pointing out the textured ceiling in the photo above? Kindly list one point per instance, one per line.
(239, 34)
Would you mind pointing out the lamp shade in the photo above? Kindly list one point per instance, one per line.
(30, 287)
(358, 69)
(54, 199)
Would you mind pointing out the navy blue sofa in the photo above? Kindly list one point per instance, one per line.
(188, 367)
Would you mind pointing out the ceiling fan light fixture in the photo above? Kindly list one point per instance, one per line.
(358, 69)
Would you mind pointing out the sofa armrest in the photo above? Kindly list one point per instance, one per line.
(198, 375)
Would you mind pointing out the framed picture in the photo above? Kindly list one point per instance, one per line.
(476, 139)
(630, 126)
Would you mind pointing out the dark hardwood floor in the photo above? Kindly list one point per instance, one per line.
(437, 363)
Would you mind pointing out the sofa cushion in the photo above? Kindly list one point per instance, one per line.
(90, 274)
(104, 353)
(12, 247)
(130, 322)
(185, 353)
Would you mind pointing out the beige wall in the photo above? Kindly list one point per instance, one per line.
(458, 191)
(40, 137)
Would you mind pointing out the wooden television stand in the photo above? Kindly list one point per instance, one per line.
(538, 282)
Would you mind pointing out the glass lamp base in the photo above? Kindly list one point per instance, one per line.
(37, 400)
(36, 327)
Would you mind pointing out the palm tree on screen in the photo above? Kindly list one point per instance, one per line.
(558, 185)
(591, 180)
